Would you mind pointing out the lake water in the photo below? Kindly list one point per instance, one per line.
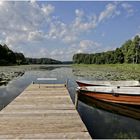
(101, 123)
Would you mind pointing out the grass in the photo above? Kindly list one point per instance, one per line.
(108, 71)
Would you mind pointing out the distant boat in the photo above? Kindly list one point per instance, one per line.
(132, 83)
(122, 95)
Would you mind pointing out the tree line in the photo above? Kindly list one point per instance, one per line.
(129, 52)
(42, 61)
(8, 57)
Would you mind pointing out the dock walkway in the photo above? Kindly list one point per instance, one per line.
(45, 112)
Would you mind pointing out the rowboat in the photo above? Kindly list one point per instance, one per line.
(121, 109)
(122, 95)
(132, 83)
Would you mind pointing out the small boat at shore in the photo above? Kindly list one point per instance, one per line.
(121, 109)
(121, 95)
(132, 83)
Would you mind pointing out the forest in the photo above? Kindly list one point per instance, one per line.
(8, 57)
(42, 61)
(129, 52)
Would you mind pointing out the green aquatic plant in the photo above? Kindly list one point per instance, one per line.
(108, 72)
(125, 135)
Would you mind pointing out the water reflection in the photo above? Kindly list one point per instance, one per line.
(100, 123)
(18, 84)
(51, 67)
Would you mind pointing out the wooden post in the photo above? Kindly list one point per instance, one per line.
(76, 99)
(66, 83)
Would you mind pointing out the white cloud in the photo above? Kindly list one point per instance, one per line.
(48, 9)
(69, 39)
(31, 23)
(62, 32)
(65, 54)
(88, 46)
(79, 13)
(128, 8)
(108, 12)
(33, 1)
(83, 22)
(117, 13)
(36, 36)
(1, 3)
(83, 46)
(57, 30)
(14, 39)
(69, 33)
(23, 20)
(43, 52)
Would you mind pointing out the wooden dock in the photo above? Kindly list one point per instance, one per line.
(45, 112)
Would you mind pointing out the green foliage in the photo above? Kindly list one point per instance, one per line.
(8, 57)
(42, 61)
(20, 58)
(129, 52)
(108, 71)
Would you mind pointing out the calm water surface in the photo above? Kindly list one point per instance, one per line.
(100, 123)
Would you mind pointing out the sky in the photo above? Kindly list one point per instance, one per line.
(60, 29)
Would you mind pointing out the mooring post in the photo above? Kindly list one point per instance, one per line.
(76, 99)
(67, 83)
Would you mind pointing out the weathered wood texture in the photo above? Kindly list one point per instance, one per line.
(46, 112)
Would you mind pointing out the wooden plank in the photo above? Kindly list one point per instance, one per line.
(46, 79)
(46, 112)
(41, 107)
(70, 135)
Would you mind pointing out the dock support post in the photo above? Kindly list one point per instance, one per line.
(67, 83)
(76, 99)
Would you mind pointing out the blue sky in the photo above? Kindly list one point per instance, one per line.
(62, 28)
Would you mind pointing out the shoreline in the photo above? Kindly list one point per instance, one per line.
(7, 76)
(7, 73)
(87, 71)
(108, 71)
